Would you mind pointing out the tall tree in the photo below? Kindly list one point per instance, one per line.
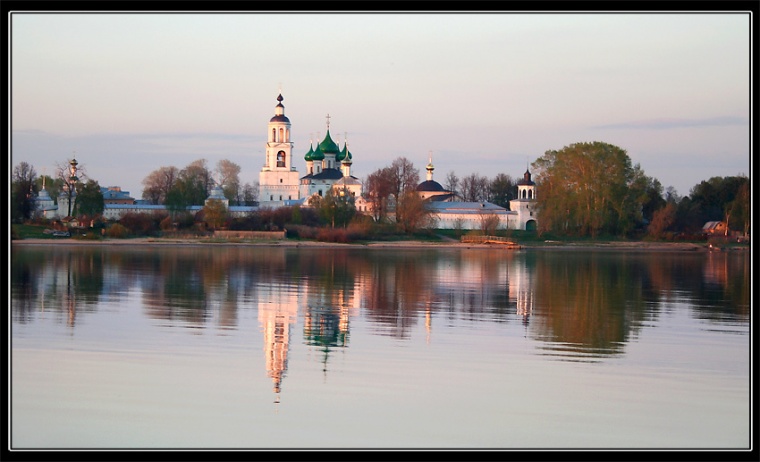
(452, 183)
(191, 187)
(380, 186)
(411, 213)
(587, 189)
(89, 201)
(70, 174)
(502, 190)
(249, 194)
(228, 175)
(23, 192)
(158, 183)
(475, 188)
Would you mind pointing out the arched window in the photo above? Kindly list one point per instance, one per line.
(282, 137)
(281, 159)
(274, 134)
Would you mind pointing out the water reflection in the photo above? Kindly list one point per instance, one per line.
(576, 306)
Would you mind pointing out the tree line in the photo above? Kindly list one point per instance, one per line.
(584, 189)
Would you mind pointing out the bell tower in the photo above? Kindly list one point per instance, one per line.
(278, 179)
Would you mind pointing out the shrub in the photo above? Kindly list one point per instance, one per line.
(117, 231)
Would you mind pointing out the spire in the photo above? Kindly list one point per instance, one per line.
(430, 167)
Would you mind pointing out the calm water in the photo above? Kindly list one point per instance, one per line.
(255, 347)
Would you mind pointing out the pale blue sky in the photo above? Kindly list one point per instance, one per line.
(485, 93)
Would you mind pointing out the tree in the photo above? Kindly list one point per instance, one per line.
(228, 175)
(737, 211)
(191, 187)
(405, 176)
(250, 194)
(380, 186)
(502, 190)
(215, 213)
(707, 202)
(335, 208)
(587, 189)
(23, 192)
(489, 223)
(475, 188)
(70, 174)
(452, 183)
(89, 201)
(158, 183)
(662, 220)
(411, 213)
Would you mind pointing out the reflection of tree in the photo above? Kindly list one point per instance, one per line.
(60, 280)
(590, 303)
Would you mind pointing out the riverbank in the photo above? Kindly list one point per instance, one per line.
(553, 245)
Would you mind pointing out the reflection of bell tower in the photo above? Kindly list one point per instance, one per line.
(275, 319)
(521, 284)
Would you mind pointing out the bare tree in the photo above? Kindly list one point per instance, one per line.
(22, 192)
(158, 183)
(452, 183)
(228, 176)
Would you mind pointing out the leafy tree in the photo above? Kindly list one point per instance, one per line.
(707, 202)
(737, 211)
(587, 189)
(228, 174)
(158, 183)
(662, 220)
(215, 213)
(334, 208)
(250, 194)
(89, 201)
(380, 186)
(23, 192)
(411, 213)
(502, 190)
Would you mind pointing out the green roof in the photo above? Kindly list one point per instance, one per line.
(317, 154)
(328, 146)
(309, 155)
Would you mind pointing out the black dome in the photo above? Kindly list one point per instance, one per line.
(430, 185)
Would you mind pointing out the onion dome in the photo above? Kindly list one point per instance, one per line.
(279, 112)
(309, 155)
(317, 154)
(344, 155)
(430, 186)
(526, 179)
(328, 146)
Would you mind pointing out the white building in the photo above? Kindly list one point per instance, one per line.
(278, 179)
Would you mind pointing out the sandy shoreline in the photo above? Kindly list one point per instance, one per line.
(148, 241)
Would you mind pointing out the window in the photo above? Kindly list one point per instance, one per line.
(281, 159)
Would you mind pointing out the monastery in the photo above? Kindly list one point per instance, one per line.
(328, 166)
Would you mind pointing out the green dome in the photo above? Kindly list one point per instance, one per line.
(317, 154)
(328, 146)
(344, 155)
(309, 155)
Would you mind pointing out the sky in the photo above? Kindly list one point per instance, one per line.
(484, 93)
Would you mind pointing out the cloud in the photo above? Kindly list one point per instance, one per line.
(667, 124)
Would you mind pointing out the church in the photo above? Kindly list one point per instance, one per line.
(328, 167)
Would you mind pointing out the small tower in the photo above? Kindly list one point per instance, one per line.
(526, 188)
(524, 205)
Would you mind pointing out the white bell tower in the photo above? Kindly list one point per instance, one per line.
(278, 179)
